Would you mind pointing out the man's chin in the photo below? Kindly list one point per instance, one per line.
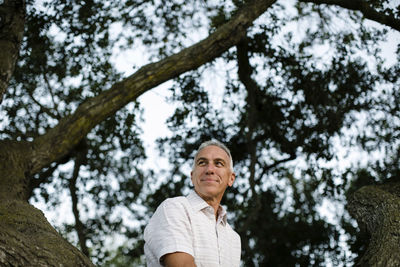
(208, 191)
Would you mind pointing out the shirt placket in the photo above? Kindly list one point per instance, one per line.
(218, 233)
(219, 247)
(211, 216)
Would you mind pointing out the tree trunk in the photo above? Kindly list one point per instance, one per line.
(377, 210)
(27, 239)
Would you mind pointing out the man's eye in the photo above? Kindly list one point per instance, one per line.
(219, 163)
(201, 162)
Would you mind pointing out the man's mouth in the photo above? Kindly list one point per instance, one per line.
(209, 180)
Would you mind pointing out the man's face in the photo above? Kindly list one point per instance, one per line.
(212, 173)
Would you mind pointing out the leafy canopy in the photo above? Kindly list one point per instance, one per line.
(304, 79)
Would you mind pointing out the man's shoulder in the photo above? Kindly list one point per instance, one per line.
(174, 207)
(179, 199)
(175, 203)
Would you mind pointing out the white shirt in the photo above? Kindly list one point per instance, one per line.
(187, 224)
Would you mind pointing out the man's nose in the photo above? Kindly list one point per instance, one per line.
(210, 168)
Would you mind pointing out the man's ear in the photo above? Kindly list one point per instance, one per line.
(231, 179)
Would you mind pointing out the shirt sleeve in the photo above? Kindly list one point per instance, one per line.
(169, 230)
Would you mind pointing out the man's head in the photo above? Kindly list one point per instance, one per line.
(214, 142)
(212, 170)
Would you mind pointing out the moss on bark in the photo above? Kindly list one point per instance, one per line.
(27, 239)
(377, 209)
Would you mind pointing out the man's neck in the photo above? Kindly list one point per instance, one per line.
(214, 202)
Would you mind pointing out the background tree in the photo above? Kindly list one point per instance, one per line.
(282, 110)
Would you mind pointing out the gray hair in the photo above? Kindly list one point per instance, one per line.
(214, 142)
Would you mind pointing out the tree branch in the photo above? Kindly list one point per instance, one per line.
(55, 106)
(43, 178)
(367, 11)
(79, 226)
(12, 19)
(278, 162)
(70, 130)
(43, 108)
(244, 73)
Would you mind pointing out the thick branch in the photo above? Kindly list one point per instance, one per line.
(12, 19)
(367, 11)
(59, 140)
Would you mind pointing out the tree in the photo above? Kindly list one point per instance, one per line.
(23, 159)
(28, 160)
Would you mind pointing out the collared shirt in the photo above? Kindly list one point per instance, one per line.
(187, 224)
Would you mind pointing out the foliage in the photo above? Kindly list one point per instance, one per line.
(299, 82)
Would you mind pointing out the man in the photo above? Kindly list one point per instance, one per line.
(193, 231)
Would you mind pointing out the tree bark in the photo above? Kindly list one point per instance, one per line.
(377, 210)
(27, 239)
(12, 18)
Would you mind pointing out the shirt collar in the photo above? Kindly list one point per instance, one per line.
(199, 204)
